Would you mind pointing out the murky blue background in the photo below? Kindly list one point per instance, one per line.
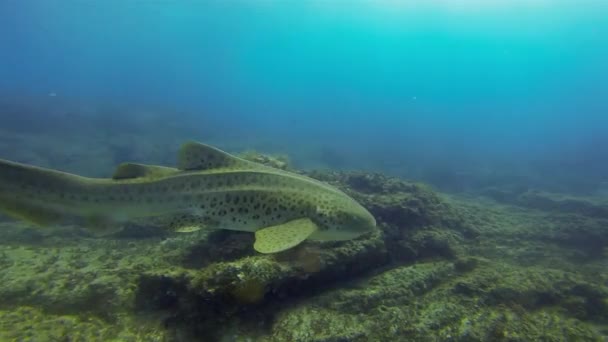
(430, 90)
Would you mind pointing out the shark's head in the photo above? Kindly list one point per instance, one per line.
(344, 219)
(357, 220)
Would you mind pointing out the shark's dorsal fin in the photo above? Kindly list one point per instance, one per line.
(197, 156)
(284, 236)
(132, 170)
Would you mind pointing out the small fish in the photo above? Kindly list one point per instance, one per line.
(209, 189)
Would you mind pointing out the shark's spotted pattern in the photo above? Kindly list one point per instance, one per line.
(210, 188)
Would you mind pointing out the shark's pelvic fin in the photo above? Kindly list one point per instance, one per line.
(188, 229)
(183, 222)
(284, 236)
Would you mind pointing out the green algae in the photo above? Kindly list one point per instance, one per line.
(426, 303)
(27, 323)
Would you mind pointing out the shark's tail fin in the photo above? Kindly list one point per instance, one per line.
(31, 193)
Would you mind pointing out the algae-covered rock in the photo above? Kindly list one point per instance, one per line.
(28, 323)
(533, 288)
(222, 290)
(371, 309)
(589, 235)
(577, 225)
(552, 202)
(561, 203)
(424, 303)
(61, 280)
(69, 273)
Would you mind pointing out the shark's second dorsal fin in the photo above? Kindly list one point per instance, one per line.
(197, 156)
(132, 170)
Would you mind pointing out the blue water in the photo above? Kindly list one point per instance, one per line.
(402, 87)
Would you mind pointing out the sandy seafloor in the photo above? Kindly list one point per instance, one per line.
(489, 265)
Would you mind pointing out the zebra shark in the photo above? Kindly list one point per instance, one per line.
(209, 188)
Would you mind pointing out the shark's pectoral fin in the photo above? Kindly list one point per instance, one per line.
(197, 156)
(284, 236)
(189, 223)
(133, 170)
